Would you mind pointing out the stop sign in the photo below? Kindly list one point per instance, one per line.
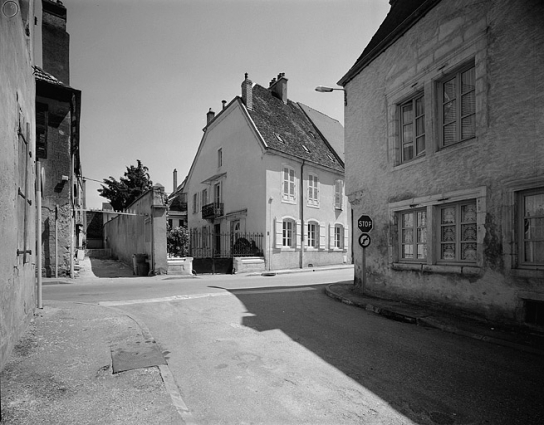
(365, 223)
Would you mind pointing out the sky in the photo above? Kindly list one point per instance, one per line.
(149, 70)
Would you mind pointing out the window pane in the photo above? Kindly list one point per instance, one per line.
(420, 126)
(468, 79)
(422, 235)
(408, 152)
(420, 108)
(420, 145)
(448, 215)
(468, 213)
(408, 220)
(407, 236)
(422, 251)
(407, 133)
(450, 134)
(450, 112)
(468, 104)
(447, 251)
(422, 218)
(449, 90)
(448, 234)
(468, 251)
(468, 127)
(468, 232)
(408, 251)
(407, 116)
(534, 205)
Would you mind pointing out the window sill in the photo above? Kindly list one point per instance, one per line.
(312, 205)
(287, 249)
(402, 165)
(289, 201)
(437, 268)
(528, 273)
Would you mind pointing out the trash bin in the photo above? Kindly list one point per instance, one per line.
(141, 264)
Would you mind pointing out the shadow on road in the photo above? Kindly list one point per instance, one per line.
(107, 268)
(427, 376)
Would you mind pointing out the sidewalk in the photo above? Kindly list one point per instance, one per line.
(61, 371)
(518, 338)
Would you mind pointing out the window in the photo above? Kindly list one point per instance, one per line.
(195, 206)
(288, 189)
(413, 235)
(220, 157)
(205, 197)
(412, 129)
(458, 107)
(288, 229)
(338, 194)
(338, 236)
(458, 232)
(42, 115)
(532, 227)
(313, 235)
(217, 193)
(313, 193)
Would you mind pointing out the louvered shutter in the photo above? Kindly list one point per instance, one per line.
(346, 238)
(298, 234)
(322, 236)
(331, 236)
(279, 233)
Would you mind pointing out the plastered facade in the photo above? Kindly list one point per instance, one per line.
(504, 42)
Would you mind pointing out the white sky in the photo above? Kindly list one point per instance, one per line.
(149, 70)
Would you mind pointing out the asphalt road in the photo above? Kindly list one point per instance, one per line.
(276, 350)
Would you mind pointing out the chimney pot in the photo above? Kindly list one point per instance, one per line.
(224, 102)
(210, 116)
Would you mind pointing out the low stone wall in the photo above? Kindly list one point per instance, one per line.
(180, 266)
(248, 264)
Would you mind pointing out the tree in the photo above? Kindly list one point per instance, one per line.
(177, 241)
(124, 192)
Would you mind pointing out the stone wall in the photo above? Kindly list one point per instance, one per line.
(504, 40)
(17, 217)
(141, 229)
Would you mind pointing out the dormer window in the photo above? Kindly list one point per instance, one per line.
(279, 137)
(306, 149)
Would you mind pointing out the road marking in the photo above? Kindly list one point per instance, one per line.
(165, 299)
(269, 290)
(204, 295)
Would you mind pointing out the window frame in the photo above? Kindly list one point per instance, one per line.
(458, 226)
(338, 236)
(313, 198)
(312, 233)
(412, 100)
(416, 259)
(289, 196)
(288, 233)
(455, 75)
(219, 157)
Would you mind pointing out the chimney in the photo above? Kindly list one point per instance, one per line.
(210, 116)
(247, 93)
(278, 87)
(224, 102)
(175, 180)
(55, 41)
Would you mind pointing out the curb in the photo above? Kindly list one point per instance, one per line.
(306, 270)
(428, 321)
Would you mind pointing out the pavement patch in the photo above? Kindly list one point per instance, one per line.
(136, 356)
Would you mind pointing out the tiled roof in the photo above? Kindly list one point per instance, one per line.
(401, 17)
(286, 128)
(45, 76)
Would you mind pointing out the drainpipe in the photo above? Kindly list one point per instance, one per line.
(302, 215)
(39, 231)
(56, 241)
(72, 213)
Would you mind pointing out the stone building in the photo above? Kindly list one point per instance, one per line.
(57, 146)
(444, 150)
(17, 161)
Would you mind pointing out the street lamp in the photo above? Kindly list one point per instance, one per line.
(325, 89)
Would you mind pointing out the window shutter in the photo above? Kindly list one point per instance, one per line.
(322, 236)
(346, 238)
(298, 234)
(279, 233)
(331, 236)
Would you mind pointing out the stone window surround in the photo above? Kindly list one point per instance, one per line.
(313, 203)
(510, 242)
(432, 264)
(287, 197)
(427, 81)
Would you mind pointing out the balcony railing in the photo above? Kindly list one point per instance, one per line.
(211, 211)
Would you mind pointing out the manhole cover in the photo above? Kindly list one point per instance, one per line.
(136, 356)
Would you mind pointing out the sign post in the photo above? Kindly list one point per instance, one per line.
(365, 225)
